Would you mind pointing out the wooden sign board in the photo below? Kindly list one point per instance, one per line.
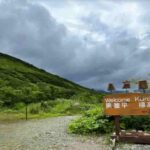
(127, 104)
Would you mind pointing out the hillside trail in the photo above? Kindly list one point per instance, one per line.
(51, 134)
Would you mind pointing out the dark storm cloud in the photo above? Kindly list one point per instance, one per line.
(105, 49)
(30, 32)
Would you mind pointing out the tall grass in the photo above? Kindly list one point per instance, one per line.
(59, 107)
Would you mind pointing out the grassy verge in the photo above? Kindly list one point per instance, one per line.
(12, 117)
(59, 107)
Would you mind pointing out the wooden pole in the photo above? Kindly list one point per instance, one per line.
(117, 127)
(117, 130)
(26, 111)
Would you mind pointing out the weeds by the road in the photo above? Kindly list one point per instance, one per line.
(59, 107)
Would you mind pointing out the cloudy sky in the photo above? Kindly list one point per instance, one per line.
(91, 42)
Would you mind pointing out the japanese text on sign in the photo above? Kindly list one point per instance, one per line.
(127, 104)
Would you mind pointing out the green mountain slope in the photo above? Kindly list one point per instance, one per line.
(20, 81)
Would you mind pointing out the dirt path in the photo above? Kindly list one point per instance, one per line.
(49, 134)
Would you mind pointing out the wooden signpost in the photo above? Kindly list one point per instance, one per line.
(128, 104)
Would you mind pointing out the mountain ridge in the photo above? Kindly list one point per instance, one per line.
(20, 81)
(39, 69)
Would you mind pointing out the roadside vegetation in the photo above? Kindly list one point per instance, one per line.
(94, 121)
(59, 107)
(25, 87)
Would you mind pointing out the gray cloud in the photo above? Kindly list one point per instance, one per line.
(105, 50)
(30, 32)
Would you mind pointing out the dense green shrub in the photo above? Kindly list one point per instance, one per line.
(34, 108)
(1, 103)
(44, 106)
(19, 106)
(93, 121)
(89, 97)
(65, 106)
(136, 122)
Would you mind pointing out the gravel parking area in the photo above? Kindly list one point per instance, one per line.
(51, 134)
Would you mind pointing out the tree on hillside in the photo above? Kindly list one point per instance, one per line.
(8, 96)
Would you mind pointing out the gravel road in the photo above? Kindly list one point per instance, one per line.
(51, 134)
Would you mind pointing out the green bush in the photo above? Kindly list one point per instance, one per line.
(62, 106)
(136, 122)
(19, 106)
(34, 108)
(66, 107)
(45, 106)
(1, 103)
(93, 121)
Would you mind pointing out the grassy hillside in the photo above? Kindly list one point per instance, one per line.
(22, 82)
(28, 73)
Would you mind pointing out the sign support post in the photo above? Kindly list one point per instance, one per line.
(131, 104)
(117, 126)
